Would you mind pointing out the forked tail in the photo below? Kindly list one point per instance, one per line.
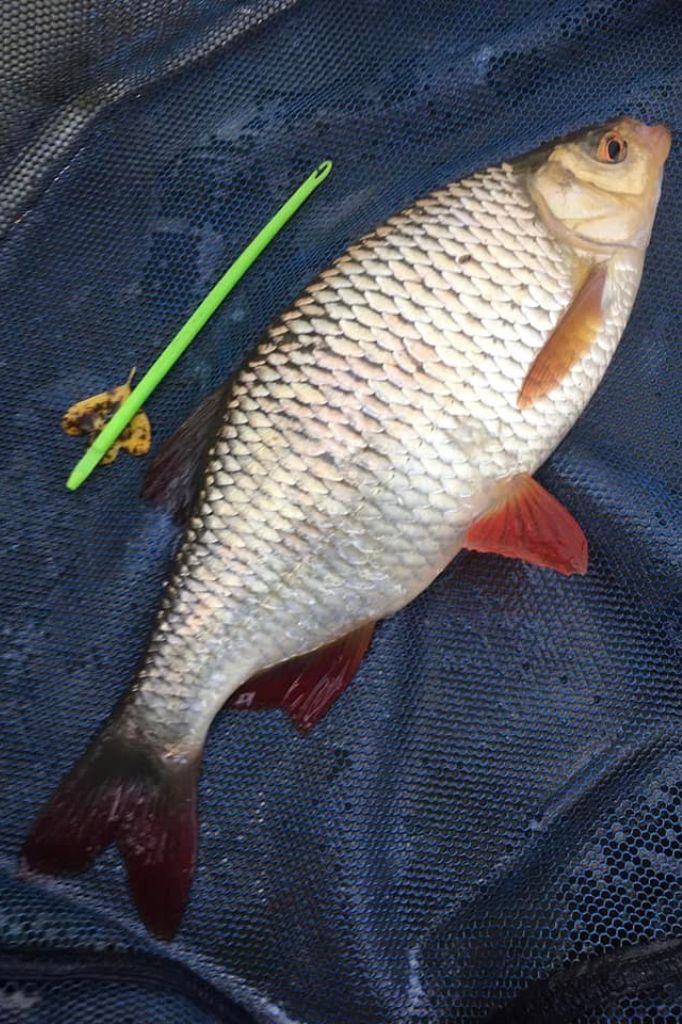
(121, 791)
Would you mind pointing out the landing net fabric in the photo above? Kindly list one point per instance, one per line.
(498, 794)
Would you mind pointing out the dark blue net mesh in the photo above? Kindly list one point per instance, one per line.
(72, 1001)
(498, 794)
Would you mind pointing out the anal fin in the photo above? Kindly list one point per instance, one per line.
(528, 523)
(306, 687)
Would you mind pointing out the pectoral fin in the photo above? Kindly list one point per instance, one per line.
(528, 523)
(570, 340)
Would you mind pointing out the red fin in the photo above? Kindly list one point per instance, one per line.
(570, 340)
(175, 473)
(530, 524)
(307, 687)
(121, 791)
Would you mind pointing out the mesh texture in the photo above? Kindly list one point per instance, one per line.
(499, 792)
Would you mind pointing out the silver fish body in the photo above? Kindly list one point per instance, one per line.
(365, 434)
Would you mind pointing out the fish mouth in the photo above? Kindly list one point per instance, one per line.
(657, 137)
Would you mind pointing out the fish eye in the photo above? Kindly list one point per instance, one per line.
(612, 148)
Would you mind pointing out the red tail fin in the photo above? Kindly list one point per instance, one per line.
(122, 791)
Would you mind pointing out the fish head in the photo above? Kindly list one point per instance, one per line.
(599, 190)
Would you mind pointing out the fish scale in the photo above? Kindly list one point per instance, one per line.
(397, 376)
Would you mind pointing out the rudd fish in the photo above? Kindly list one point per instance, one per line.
(391, 417)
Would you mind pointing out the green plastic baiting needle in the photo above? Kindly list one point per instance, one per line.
(187, 333)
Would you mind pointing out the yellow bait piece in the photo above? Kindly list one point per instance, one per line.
(89, 417)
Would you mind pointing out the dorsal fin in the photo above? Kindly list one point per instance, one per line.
(571, 338)
(307, 687)
(173, 477)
